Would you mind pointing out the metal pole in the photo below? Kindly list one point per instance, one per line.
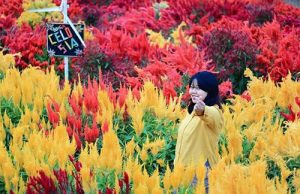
(66, 59)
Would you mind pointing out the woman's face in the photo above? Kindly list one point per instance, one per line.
(196, 93)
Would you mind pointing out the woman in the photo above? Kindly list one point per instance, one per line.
(199, 131)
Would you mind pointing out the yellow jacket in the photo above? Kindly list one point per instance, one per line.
(198, 135)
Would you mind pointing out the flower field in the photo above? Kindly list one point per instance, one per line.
(113, 127)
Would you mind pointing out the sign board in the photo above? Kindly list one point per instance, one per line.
(62, 40)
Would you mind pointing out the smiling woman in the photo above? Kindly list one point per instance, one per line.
(199, 131)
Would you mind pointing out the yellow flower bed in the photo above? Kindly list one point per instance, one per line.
(253, 120)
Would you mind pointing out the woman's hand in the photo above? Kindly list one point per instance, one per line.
(199, 107)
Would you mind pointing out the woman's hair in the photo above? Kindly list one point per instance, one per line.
(207, 82)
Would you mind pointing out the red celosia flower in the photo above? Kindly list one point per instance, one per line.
(70, 131)
(62, 179)
(77, 140)
(186, 58)
(290, 116)
(91, 134)
(30, 42)
(246, 95)
(76, 164)
(297, 100)
(110, 191)
(230, 45)
(169, 90)
(122, 94)
(105, 127)
(136, 93)
(70, 120)
(41, 184)
(52, 115)
(91, 97)
(75, 105)
(225, 89)
(127, 182)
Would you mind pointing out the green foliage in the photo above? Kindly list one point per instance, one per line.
(239, 82)
(247, 147)
(125, 132)
(186, 190)
(182, 89)
(185, 82)
(293, 163)
(23, 174)
(43, 57)
(223, 142)
(273, 170)
(291, 188)
(12, 111)
(105, 179)
(2, 75)
(154, 129)
(44, 115)
(2, 186)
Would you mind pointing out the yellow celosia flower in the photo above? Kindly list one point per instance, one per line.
(2, 131)
(88, 35)
(106, 109)
(35, 117)
(166, 178)
(157, 190)
(189, 174)
(63, 112)
(151, 99)
(22, 188)
(235, 143)
(177, 176)
(200, 171)
(31, 18)
(144, 155)
(111, 154)
(36, 18)
(137, 177)
(296, 180)
(86, 178)
(176, 34)
(141, 189)
(17, 133)
(156, 38)
(161, 162)
(17, 97)
(7, 121)
(84, 158)
(6, 61)
(153, 181)
(23, 87)
(8, 169)
(130, 147)
(259, 149)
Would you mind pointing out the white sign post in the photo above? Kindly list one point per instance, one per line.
(64, 9)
